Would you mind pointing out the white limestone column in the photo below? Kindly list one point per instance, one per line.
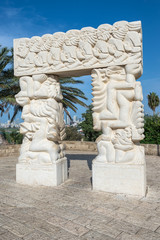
(42, 160)
(118, 111)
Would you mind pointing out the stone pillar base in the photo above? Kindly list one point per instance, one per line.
(119, 178)
(46, 175)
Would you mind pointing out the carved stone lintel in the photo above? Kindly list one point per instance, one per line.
(77, 52)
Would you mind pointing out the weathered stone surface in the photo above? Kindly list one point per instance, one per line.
(91, 235)
(76, 52)
(70, 212)
(41, 160)
(119, 178)
(51, 175)
(148, 235)
(90, 147)
(113, 56)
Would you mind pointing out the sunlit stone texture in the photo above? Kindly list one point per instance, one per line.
(42, 160)
(113, 56)
(77, 52)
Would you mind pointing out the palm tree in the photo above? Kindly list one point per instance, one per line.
(6, 74)
(153, 101)
(9, 87)
(71, 94)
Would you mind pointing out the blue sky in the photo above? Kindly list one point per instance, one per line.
(28, 18)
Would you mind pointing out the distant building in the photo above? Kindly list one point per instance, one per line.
(68, 120)
(75, 118)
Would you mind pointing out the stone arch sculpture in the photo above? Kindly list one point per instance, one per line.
(113, 57)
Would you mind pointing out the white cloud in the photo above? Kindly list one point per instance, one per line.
(22, 22)
(10, 11)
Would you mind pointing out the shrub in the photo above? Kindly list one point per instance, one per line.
(87, 126)
(12, 136)
(72, 134)
(152, 129)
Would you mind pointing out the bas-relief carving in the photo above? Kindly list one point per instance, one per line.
(118, 112)
(43, 124)
(113, 55)
(87, 48)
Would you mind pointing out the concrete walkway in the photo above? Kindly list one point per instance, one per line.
(73, 211)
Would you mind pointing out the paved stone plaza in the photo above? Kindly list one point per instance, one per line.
(73, 210)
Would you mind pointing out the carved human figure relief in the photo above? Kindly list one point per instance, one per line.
(119, 32)
(86, 43)
(118, 112)
(112, 54)
(46, 45)
(103, 50)
(85, 49)
(69, 49)
(43, 124)
(54, 57)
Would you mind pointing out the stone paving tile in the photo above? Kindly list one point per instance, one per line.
(117, 215)
(102, 211)
(17, 228)
(92, 220)
(37, 235)
(148, 205)
(92, 235)
(75, 228)
(123, 203)
(62, 234)
(9, 236)
(6, 220)
(158, 230)
(24, 199)
(148, 235)
(127, 236)
(107, 231)
(19, 215)
(44, 226)
(103, 228)
(137, 213)
(138, 221)
(155, 219)
(146, 212)
(124, 226)
(57, 221)
(12, 202)
(73, 211)
(2, 230)
(39, 213)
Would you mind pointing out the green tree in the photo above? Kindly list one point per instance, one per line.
(153, 101)
(9, 87)
(87, 126)
(71, 95)
(151, 129)
(72, 134)
(12, 136)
